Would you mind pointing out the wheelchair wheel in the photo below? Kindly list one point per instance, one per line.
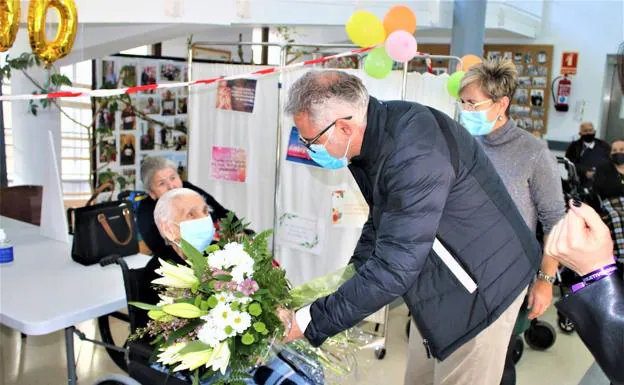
(565, 324)
(518, 349)
(540, 335)
(118, 357)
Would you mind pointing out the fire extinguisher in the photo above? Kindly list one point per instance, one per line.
(562, 96)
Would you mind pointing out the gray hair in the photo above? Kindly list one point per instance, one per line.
(163, 212)
(150, 166)
(496, 78)
(320, 93)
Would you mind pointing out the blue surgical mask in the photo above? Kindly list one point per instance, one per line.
(324, 159)
(198, 232)
(476, 122)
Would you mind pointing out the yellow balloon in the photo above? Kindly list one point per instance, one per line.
(365, 29)
(9, 23)
(51, 51)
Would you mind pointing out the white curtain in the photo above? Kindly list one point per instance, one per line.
(304, 190)
(254, 132)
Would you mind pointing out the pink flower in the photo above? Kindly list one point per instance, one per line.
(248, 287)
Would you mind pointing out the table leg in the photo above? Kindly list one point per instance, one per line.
(71, 360)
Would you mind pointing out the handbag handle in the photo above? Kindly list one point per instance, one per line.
(107, 229)
(101, 189)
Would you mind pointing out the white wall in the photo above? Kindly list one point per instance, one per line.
(594, 28)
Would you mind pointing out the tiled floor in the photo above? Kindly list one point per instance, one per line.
(40, 360)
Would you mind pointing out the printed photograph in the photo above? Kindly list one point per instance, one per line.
(148, 135)
(164, 138)
(542, 57)
(537, 112)
(508, 55)
(129, 175)
(171, 72)
(110, 77)
(520, 69)
(494, 55)
(542, 71)
(148, 76)
(537, 98)
(108, 150)
(182, 104)
(128, 118)
(180, 124)
(521, 96)
(539, 82)
(150, 105)
(538, 124)
(518, 57)
(127, 149)
(128, 75)
(105, 118)
(528, 57)
(517, 111)
(532, 70)
(524, 82)
(168, 103)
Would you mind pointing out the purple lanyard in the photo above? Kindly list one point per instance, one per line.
(594, 276)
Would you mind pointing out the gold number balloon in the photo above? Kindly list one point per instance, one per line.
(51, 51)
(9, 23)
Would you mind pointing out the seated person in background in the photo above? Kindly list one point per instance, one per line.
(609, 179)
(159, 176)
(183, 214)
(581, 242)
(609, 185)
(588, 153)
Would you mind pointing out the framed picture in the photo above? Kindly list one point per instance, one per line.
(212, 54)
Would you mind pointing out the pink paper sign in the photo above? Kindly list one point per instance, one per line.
(229, 164)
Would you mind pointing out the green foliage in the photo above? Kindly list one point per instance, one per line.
(231, 229)
(196, 259)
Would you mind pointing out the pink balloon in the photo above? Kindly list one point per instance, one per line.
(401, 46)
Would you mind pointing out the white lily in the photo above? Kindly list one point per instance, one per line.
(170, 355)
(220, 358)
(164, 300)
(181, 277)
(193, 360)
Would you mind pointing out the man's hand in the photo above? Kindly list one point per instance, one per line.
(581, 241)
(291, 329)
(540, 298)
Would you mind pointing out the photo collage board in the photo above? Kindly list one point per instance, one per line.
(149, 123)
(530, 103)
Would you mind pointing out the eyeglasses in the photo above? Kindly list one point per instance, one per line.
(309, 142)
(467, 106)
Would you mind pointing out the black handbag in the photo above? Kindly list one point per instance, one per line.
(101, 230)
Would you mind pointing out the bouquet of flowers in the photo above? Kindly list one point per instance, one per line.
(218, 318)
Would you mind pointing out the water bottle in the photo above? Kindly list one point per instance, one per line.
(6, 249)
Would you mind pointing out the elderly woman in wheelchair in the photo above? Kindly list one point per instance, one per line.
(183, 214)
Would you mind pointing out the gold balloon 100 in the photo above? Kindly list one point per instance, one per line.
(47, 51)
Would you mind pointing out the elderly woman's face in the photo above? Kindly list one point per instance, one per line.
(163, 181)
(187, 208)
(617, 147)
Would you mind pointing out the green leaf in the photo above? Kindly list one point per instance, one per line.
(212, 248)
(204, 305)
(198, 301)
(223, 277)
(144, 306)
(197, 259)
(194, 346)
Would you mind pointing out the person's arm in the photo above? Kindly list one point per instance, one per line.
(416, 182)
(366, 243)
(547, 195)
(597, 312)
(149, 231)
(571, 153)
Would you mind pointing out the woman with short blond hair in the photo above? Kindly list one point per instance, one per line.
(527, 167)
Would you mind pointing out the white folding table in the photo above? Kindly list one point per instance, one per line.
(43, 290)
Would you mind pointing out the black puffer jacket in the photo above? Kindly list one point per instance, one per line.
(597, 312)
(406, 173)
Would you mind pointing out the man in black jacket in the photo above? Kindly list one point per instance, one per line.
(588, 153)
(582, 242)
(443, 232)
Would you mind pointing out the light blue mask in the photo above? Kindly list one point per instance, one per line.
(198, 232)
(476, 122)
(324, 159)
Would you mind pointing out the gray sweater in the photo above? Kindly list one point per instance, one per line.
(529, 171)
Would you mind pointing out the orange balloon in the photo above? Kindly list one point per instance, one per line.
(469, 61)
(400, 17)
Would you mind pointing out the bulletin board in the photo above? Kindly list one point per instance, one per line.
(150, 123)
(530, 104)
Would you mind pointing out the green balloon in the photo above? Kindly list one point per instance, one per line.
(454, 83)
(378, 64)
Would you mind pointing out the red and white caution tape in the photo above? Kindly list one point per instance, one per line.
(103, 93)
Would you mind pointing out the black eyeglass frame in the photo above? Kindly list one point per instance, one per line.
(309, 142)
